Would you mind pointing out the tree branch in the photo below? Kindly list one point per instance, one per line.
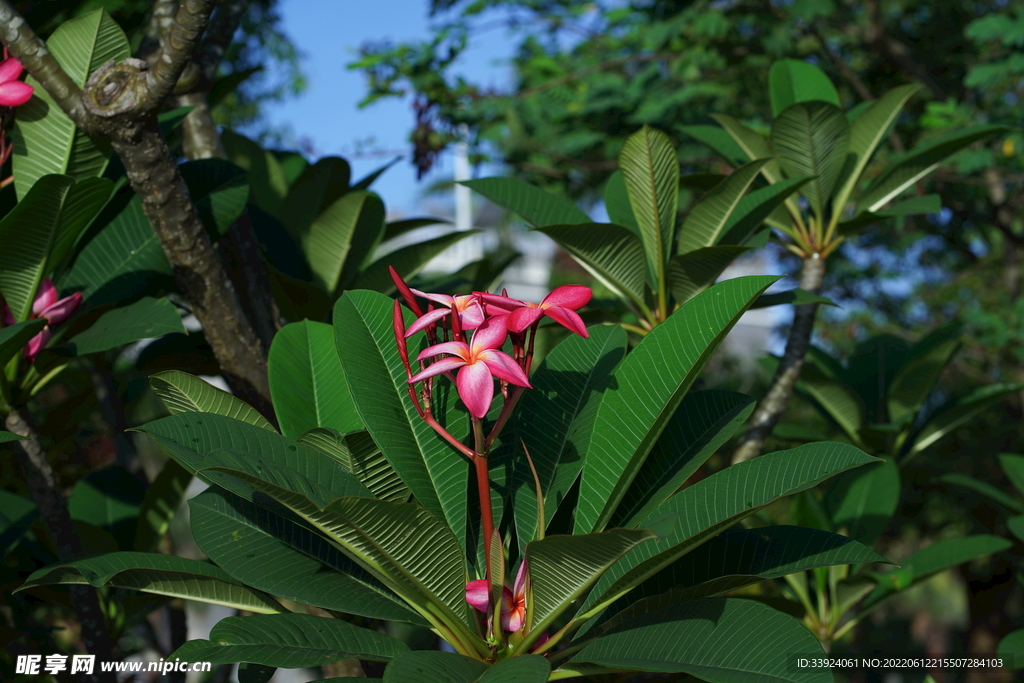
(160, 21)
(48, 496)
(176, 51)
(218, 36)
(771, 408)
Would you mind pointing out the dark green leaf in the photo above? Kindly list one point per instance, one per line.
(145, 319)
(811, 139)
(691, 273)
(791, 81)
(306, 381)
(534, 205)
(184, 393)
(424, 666)
(611, 253)
(289, 641)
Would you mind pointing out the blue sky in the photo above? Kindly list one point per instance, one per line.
(329, 32)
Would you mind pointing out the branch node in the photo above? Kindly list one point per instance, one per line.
(116, 89)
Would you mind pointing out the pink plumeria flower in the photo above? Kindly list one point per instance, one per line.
(478, 363)
(47, 307)
(13, 93)
(560, 305)
(471, 313)
(513, 602)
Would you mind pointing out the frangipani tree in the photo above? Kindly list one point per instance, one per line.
(373, 522)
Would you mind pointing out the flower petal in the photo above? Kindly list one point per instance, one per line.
(476, 388)
(501, 301)
(490, 335)
(444, 365)
(569, 296)
(15, 93)
(513, 620)
(460, 349)
(36, 344)
(46, 296)
(567, 318)
(62, 310)
(522, 318)
(478, 594)
(10, 69)
(472, 316)
(444, 299)
(426, 320)
(503, 366)
(519, 589)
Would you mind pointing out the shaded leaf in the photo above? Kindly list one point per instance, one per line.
(185, 393)
(145, 319)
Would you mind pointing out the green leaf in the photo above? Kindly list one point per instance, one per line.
(29, 233)
(864, 500)
(267, 181)
(706, 222)
(7, 436)
(537, 207)
(555, 419)
(812, 139)
(691, 273)
(359, 455)
(1016, 526)
(720, 141)
(616, 203)
(836, 399)
(985, 489)
(45, 139)
(611, 253)
(190, 437)
(1011, 648)
(437, 475)
(703, 422)
(306, 382)
(408, 260)
(341, 238)
(145, 319)
(737, 559)
(185, 393)
(743, 557)
(158, 508)
(753, 145)
(301, 564)
(929, 203)
(758, 208)
(174, 577)
(83, 203)
(219, 190)
(289, 641)
(797, 297)
(518, 669)
(954, 413)
(413, 552)
(929, 561)
(14, 337)
(255, 673)
(365, 182)
(563, 568)
(791, 81)
(109, 498)
(918, 163)
(720, 501)
(916, 378)
(1013, 467)
(121, 259)
(319, 186)
(714, 639)
(425, 666)
(650, 384)
(651, 171)
(396, 228)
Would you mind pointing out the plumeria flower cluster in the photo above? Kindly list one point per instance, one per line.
(475, 361)
(465, 335)
(46, 307)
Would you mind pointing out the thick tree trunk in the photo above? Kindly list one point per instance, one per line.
(197, 270)
(49, 498)
(774, 404)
